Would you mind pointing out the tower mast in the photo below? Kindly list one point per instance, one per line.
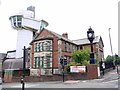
(110, 42)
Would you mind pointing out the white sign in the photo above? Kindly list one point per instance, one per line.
(78, 69)
(103, 65)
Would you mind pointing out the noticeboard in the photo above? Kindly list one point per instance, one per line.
(78, 69)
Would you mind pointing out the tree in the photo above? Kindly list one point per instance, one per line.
(81, 56)
(109, 58)
(111, 61)
(115, 58)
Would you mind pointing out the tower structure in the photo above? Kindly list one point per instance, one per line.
(27, 26)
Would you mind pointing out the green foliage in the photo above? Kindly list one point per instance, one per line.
(110, 58)
(117, 58)
(97, 61)
(81, 56)
(85, 62)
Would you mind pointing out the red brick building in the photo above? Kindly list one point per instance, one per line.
(48, 47)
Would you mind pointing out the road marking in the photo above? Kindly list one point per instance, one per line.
(110, 81)
(84, 81)
(72, 81)
(26, 86)
(113, 72)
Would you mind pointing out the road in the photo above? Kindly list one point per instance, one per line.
(109, 80)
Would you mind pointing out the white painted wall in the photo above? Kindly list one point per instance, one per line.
(26, 13)
(24, 37)
(98, 68)
(27, 22)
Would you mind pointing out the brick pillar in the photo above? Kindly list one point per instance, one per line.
(92, 71)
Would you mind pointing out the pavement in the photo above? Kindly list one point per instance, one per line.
(112, 75)
(107, 77)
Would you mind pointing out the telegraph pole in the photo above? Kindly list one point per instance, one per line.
(110, 42)
(111, 48)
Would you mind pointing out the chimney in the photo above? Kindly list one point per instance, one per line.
(65, 35)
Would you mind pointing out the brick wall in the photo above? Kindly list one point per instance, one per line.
(91, 73)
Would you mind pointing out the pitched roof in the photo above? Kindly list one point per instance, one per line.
(50, 36)
(13, 64)
(86, 41)
(77, 42)
(61, 37)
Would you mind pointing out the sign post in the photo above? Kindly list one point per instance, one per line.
(63, 62)
(23, 76)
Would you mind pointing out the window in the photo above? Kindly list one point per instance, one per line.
(19, 18)
(68, 47)
(41, 48)
(48, 61)
(35, 62)
(14, 20)
(73, 48)
(38, 62)
(48, 46)
(42, 62)
(65, 46)
(19, 21)
(35, 47)
(81, 47)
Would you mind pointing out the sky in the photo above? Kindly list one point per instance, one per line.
(71, 16)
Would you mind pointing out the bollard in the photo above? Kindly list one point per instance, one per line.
(22, 82)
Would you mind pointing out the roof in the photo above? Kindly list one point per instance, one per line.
(50, 36)
(61, 37)
(13, 64)
(77, 42)
(11, 54)
(86, 41)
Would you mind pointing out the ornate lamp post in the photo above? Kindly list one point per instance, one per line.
(91, 36)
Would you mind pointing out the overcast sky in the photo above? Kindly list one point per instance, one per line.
(71, 16)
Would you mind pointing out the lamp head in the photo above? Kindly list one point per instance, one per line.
(90, 35)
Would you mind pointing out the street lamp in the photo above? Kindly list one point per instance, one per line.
(91, 36)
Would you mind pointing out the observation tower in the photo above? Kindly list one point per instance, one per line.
(27, 26)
